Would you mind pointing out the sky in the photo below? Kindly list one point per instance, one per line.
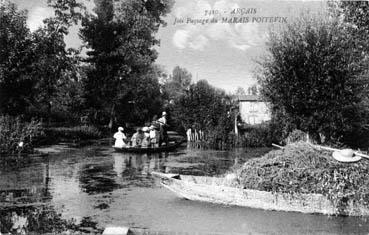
(225, 54)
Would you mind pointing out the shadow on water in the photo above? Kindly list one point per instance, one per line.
(96, 179)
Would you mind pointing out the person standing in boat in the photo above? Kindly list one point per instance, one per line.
(163, 129)
(119, 138)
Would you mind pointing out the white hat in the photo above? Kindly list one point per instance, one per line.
(345, 155)
(164, 113)
(120, 128)
(145, 128)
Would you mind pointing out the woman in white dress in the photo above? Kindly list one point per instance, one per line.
(119, 138)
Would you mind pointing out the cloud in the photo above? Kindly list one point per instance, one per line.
(199, 42)
(240, 36)
(191, 9)
(37, 15)
(242, 47)
(180, 38)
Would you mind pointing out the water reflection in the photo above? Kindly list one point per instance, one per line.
(25, 184)
(98, 178)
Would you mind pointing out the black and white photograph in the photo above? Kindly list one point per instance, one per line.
(184, 117)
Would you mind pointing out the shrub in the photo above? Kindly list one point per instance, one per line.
(296, 136)
(13, 131)
(299, 168)
(73, 133)
(256, 136)
(308, 83)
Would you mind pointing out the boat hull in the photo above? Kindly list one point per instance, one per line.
(168, 148)
(222, 191)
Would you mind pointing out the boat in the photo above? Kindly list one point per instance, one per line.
(227, 192)
(166, 148)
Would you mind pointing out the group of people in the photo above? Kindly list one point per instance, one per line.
(145, 137)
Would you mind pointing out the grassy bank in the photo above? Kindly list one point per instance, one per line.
(299, 168)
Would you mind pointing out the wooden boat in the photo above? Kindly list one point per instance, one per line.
(166, 148)
(225, 191)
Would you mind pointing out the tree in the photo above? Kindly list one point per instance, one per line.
(202, 107)
(15, 58)
(314, 79)
(122, 38)
(354, 17)
(55, 66)
(34, 66)
(252, 90)
(177, 84)
(240, 91)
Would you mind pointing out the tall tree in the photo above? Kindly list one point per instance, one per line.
(314, 78)
(54, 66)
(121, 37)
(240, 91)
(177, 84)
(15, 58)
(252, 90)
(201, 106)
(354, 18)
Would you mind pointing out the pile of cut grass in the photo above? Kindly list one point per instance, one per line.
(300, 168)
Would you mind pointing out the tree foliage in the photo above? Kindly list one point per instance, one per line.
(55, 66)
(354, 17)
(177, 84)
(35, 66)
(15, 59)
(121, 37)
(202, 107)
(314, 78)
(240, 91)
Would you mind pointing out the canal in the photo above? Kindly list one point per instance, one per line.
(90, 188)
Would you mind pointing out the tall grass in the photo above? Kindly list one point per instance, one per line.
(76, 133)
(16, 136)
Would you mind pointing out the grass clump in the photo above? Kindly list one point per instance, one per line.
(300, 168)
(16, 135)
(75, 133)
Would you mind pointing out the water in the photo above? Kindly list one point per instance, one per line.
(90, 188)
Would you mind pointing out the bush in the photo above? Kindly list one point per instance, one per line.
(299, 168)
(256, 136)
(13, 132)
(296, 136)
(72, 133)
(308, 83)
